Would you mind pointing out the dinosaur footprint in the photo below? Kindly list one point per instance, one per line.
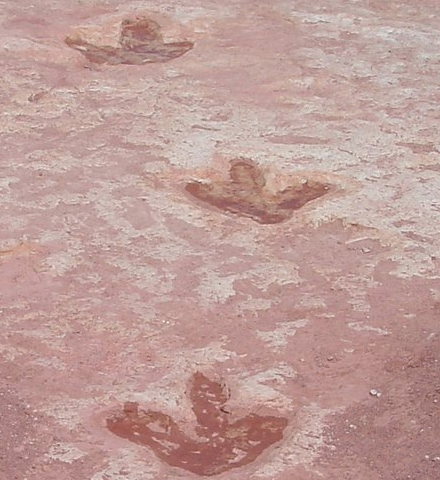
(245, 194)
(218, 444)
(140, 42)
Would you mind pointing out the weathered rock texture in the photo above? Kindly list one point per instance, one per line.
(126, 276)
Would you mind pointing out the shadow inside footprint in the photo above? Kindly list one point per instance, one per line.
(140, 42)
(217, 444)
(244, 194)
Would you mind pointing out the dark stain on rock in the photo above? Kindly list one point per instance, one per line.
(245, 194)
(140, 42)
(217, 445)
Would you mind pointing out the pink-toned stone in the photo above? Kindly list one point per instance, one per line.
(139, 42)
(118, 286)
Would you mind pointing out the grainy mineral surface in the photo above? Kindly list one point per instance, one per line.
(219, 240)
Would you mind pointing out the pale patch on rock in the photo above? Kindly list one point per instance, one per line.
(435, 292)
(264, 274)
(142, 275)
(90, 278)
(60, 263)
(206, 356)
(126, 466)
(51, 362)
(65, 452)
(215, 287)
(357, 287)
(254, 391)
(68, 411)
(301, 443)
(9, 353)
(218, 288)
(174, 208)
(361, 327)
(311, 301)
(54, 161)
(254, 304)
(411, 262)
(14, 44)
(278, 337)
(6, 182)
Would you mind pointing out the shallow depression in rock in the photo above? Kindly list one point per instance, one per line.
(219, 444)
(244, 194)
(140, 42)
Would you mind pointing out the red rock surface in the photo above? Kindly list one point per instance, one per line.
(119, 286)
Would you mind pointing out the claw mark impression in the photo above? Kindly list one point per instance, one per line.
(218, 444)
(140, 42)
(245, 194)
